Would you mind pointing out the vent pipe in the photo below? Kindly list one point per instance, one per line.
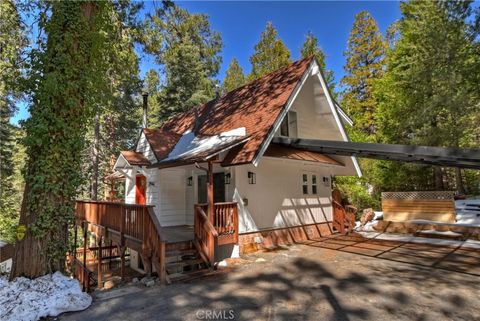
(145, 109)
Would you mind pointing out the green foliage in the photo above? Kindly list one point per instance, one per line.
(151, 85)
(365, 63)
(270, 54)
(119, 114)
(429, 93)
(357, 193)
(311, 48)
(67, 81)
(188, 50)
(234, 77)
(12, 44)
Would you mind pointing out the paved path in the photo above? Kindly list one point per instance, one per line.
(332, 279)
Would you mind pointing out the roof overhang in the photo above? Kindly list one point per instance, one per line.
(280, 151)
(128, 159)
(440, 156)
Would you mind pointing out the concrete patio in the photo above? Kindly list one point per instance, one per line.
(339, 278)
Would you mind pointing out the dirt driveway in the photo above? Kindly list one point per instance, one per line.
(341, 278)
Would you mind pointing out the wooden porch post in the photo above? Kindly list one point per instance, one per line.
(210, 192)
(99, 264)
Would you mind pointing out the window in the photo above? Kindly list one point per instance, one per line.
(314, 184)
(305, 184)
(288, 127)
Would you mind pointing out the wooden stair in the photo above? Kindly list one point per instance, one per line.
(184, 263)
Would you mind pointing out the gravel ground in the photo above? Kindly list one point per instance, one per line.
(327, 280)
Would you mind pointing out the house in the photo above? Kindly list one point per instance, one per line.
(281, 194)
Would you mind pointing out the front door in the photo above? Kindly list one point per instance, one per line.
(218, 188)
(140, 190)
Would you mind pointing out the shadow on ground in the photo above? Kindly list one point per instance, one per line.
(308, 282)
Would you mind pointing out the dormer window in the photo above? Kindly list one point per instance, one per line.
(288, 127)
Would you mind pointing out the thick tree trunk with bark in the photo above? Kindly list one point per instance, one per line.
(47, 199)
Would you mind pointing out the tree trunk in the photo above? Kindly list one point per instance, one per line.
(96, 158)
(438, 178)
(459, 181)
(30, 259)
(37, 255)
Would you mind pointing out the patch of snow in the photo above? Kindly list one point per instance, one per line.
(468, 211)
(190, 145)
(413, 239)
(50, 295)
(446, 233)
(378, 216)
(368, 227)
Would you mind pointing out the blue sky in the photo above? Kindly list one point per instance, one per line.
(241, 22)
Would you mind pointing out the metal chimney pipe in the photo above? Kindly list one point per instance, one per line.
(145, 109)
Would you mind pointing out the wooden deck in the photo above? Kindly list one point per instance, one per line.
(137, 227)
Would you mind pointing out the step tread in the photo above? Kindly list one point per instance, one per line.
(180, 252)
(189, 275)
(184, 263)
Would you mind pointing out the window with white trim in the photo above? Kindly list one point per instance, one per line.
(305, 184)
(314, 184)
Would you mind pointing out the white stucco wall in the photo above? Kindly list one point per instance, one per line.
(144, 147)
(277, 199)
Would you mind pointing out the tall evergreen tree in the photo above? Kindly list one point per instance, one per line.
(188, 50)
(311, 47)
(117, 119)
(429, 95)
(151, 85)
(12, 43)
(234, 77)
(67, 80)
(365, 64)
(270, 53)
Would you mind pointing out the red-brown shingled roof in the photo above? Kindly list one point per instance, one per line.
(134, 158)
(255, 106)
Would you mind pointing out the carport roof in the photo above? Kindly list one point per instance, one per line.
(441, 156)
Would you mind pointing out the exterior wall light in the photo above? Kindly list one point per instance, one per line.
(228, 178)
(252, 179)
(190, 181)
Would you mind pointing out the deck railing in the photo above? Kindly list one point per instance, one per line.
(206, 236)
(220, 229)
(136, 223)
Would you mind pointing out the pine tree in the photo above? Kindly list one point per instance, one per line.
(188, 50)
(12, 44)
(311, 48)
(117, 119)
(67, 80)
(365, 63)
(151, 85)
(429, 95)
(234, 77)
(270, 54)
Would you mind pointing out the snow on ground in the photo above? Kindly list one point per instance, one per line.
(468, 215)
(425, 240)
(468, 211)
(29, 300)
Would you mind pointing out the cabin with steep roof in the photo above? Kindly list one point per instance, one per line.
(215, 184)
